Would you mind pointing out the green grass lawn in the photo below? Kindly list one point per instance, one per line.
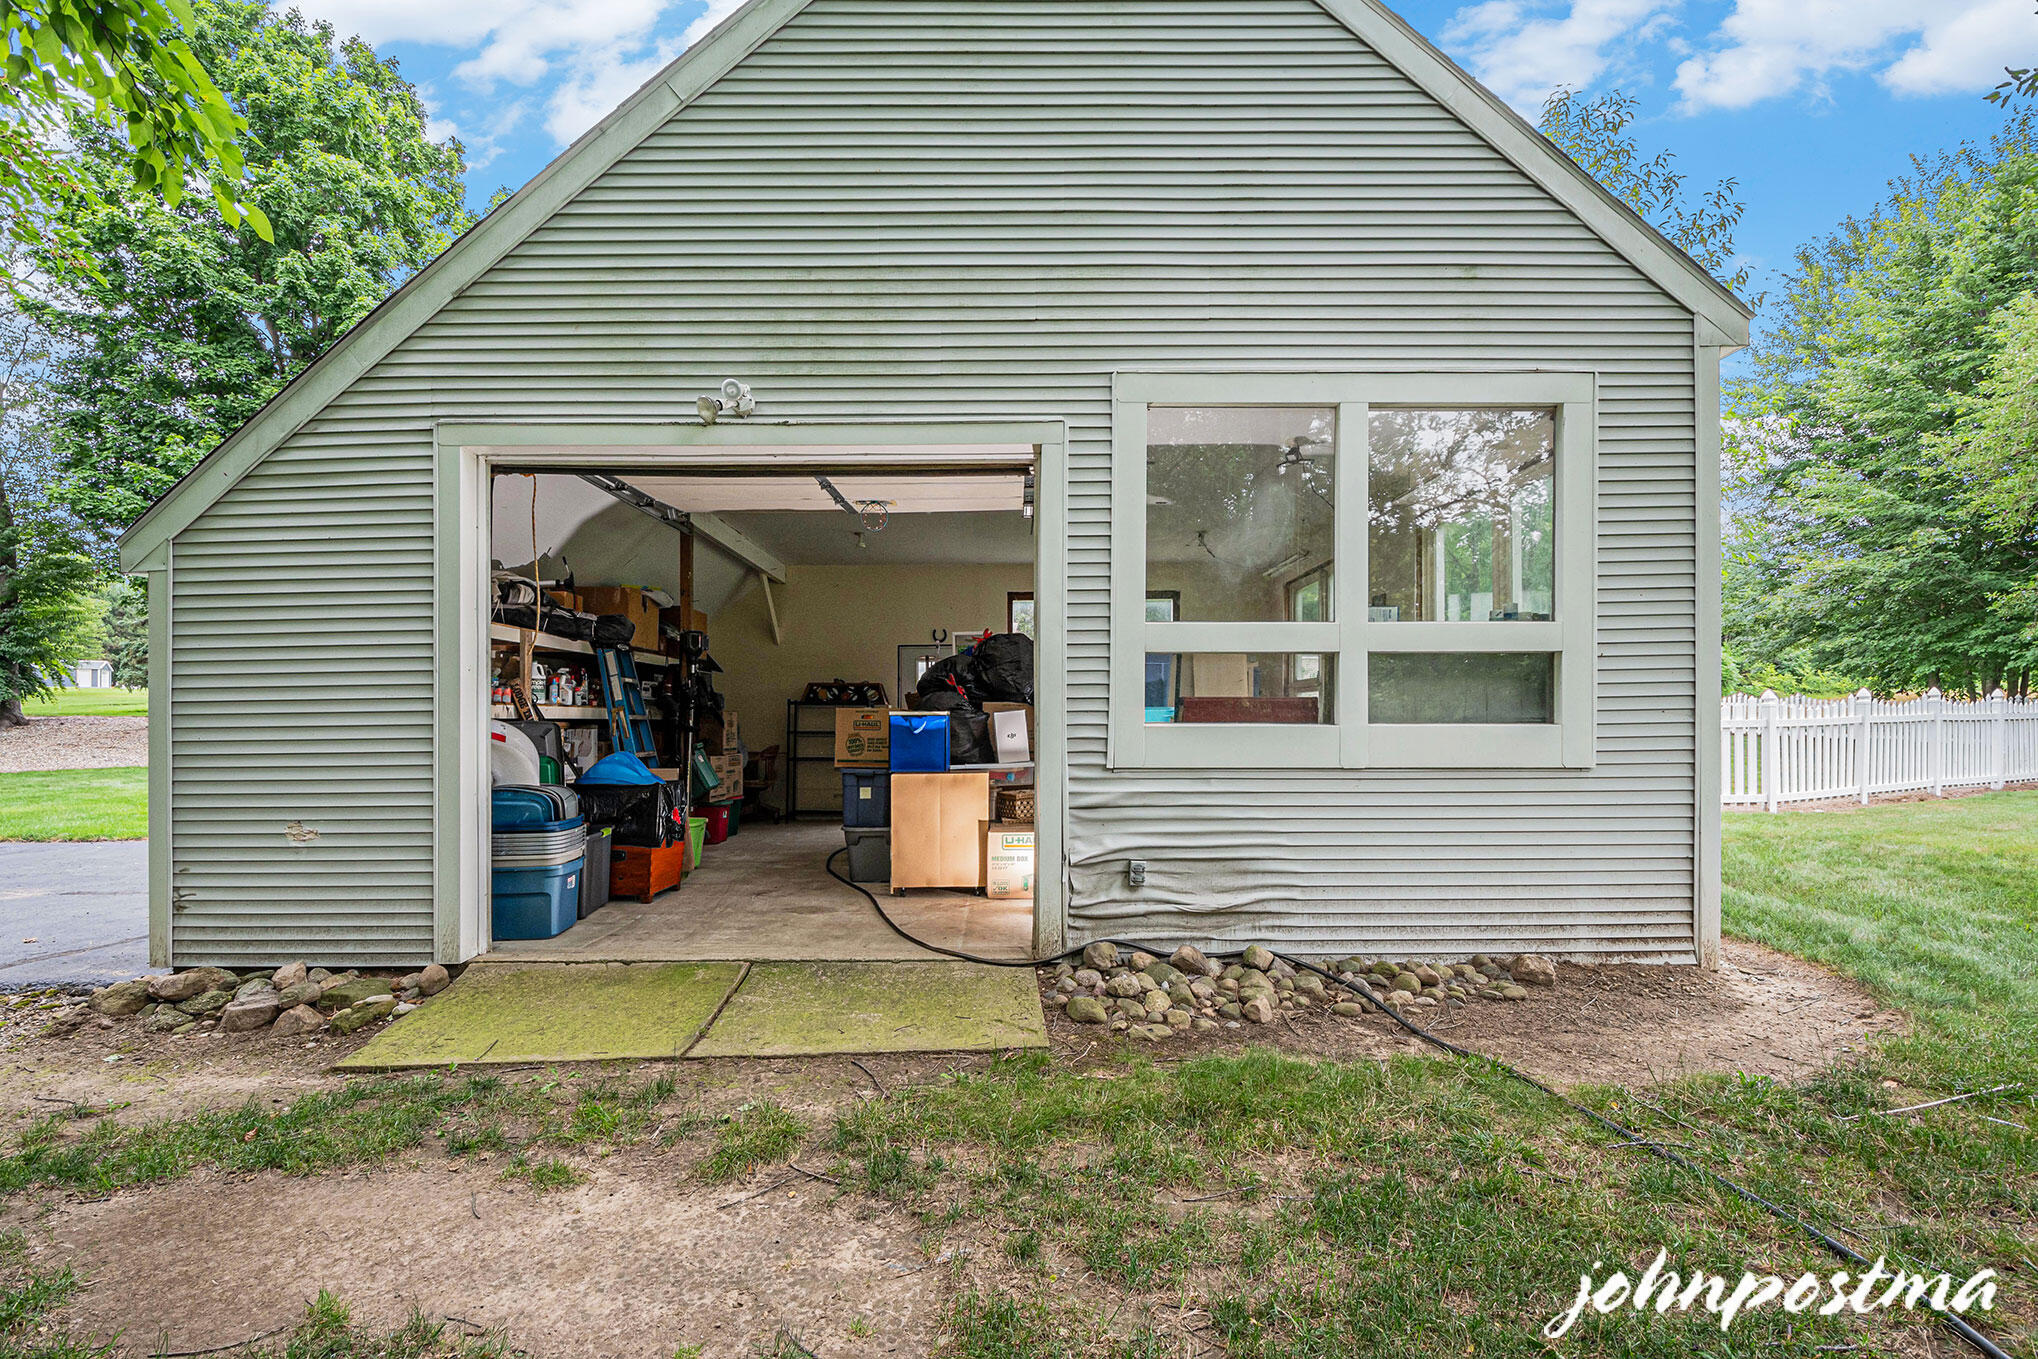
(91, 703)
(75, 804)
(1262, 1207)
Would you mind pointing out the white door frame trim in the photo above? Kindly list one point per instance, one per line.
(468, 453)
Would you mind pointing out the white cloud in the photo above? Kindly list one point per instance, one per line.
(593, 53)
(1967, 51)
(1766, 49)
(1524, 49)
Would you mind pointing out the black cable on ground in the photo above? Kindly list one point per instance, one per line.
(1630, 1136)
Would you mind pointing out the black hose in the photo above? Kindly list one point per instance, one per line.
(1958, 1323)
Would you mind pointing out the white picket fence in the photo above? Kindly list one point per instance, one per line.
(1777, 750)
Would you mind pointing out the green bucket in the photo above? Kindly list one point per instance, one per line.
(696, 840)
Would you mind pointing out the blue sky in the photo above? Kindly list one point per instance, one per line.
(1812, 104)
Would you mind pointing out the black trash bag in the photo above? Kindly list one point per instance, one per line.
(1001, 670)
(642, 813)
(945, 675)
(969, 738)
(940, 701)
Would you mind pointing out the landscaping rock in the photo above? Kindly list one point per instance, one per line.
(1189, 960)
(1124, 984)
(352, 991)
(1258, 957)
(1082, 1009)
(433, 979)
(1348, 1009)
(1089, 979)
(176, 986)
(304, 993)
(1100, 955)
(1139, 961)
(1398, 997)
(1258, 1010)
(206, 1003)
(166, 1019)
(1514, 992)
(299, 1019)
(287, 976)
(1229, 1010)
(259, 986)
(1531, 969)
(121, 998)
(1201, 1025)
(1153, 1033)
(1178, 1019)
(1162, 973)
(363, 1013)
(249, 1012)
(1129, 1007)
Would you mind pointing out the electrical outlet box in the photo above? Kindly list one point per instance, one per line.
(1135, 872)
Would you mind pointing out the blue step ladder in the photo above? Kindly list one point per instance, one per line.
(629, 725)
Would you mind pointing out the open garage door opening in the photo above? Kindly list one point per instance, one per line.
(729, 686)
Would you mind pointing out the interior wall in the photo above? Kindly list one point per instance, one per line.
(843, 622)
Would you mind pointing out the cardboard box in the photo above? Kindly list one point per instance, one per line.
(729, 769)
(992, 710)
(1008, 860)
(937, 830)
(863, 738)
(565, 599)
(628, 601)
(1012, 736)
(721, 734)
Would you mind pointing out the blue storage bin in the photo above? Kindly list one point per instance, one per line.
(866, 797)
(920, 743)
(536, 902)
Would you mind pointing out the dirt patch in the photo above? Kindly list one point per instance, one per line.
(74, 743)
(1762, 1012)
(632, 1262)
(1853, 804)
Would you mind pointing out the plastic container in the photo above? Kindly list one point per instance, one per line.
(717, 817)
(594, 877)
(514, 807)
(735, 816)
(870, 853)
(536, 901)
(866, 797)
(696, 841)
(920, 743)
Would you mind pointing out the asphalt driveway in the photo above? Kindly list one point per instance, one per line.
(73, 912)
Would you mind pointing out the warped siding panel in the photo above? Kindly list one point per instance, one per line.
(919, 209)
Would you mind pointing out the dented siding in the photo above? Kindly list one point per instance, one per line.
(925, 210)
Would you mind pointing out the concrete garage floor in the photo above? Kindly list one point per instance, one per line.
(765, 895)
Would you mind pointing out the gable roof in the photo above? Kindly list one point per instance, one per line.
(404, 311)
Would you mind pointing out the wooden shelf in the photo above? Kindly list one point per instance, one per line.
(545, 641)
(552, 712)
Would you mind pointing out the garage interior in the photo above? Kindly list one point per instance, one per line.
(770, 611)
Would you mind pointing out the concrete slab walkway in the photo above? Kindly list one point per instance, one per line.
(510, 1014)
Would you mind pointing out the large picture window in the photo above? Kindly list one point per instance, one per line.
(1389, 570)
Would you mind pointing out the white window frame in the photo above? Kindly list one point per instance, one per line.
(1352, 741)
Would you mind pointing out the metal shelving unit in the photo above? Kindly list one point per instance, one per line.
(794, 757)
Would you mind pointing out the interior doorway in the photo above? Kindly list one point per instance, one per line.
(814, 578)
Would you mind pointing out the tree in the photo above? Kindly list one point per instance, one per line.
(45, 617)
(1879, 535)
(191, 323)
(112, 61)
(1594, 133)
(127, 632)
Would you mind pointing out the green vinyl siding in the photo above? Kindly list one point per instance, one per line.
(932, 210)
